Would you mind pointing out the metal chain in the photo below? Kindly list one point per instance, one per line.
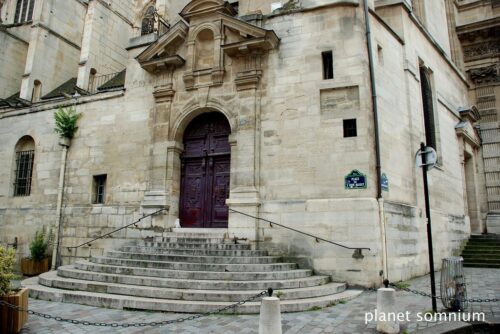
(137, 324)
(472, 300)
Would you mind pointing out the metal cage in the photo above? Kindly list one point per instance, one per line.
(453, 285)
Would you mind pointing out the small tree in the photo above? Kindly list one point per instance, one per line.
(40, 244)
(66, 119)
(7, 260)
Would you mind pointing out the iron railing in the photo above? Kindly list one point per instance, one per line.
(358, 254)
(97, 81)
(89, 243)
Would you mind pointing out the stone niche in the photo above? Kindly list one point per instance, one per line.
(342, 102)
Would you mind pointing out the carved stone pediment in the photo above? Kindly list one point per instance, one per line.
(211, 33)
(248, 37)
(164, 52)
(204, 7)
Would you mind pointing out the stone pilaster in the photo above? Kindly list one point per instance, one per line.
(157, 195)
(245, 154)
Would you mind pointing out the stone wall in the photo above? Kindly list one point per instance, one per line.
(12, 60)
(57, 35)
(108, 28)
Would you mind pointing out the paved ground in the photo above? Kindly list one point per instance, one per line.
(341, 318)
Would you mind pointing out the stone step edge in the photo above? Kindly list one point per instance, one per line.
(202, 257)
(189, 250)
(127, 302)
(284, 272)
(226, 265)
(192, 281)
(191, 294)
(144, 243)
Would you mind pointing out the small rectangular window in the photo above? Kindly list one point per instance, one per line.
(24, 171)
(350, 129)
(24, 11)
(327, 64)
(99, 191)
(380, 55)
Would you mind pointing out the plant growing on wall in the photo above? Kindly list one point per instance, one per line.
(7, 259)
(66, 120)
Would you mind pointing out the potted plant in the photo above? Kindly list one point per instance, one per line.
(38, 262)
(11, 320)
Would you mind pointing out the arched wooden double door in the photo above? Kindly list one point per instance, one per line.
(205, 172)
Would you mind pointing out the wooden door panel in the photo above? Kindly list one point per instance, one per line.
(193, 185)
(205, 172)
(220, 191)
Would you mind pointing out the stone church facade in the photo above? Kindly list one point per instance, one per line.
(211, 109)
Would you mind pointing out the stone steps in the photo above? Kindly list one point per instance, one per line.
(192, 272)
(196, 275)
(193, 266)
(195, 258)
(173, 245)
(56, 280)
(179, 306)
(70, 272)
(202, 252)
(482, 251)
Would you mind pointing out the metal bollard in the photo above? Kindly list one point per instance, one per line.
(270, 316)
(386, 305)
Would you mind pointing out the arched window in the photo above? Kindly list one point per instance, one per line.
(24, 11)
(25, 155)
(37, 91)
(148, 21)
(428, 108)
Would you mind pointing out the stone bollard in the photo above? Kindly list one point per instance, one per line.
(270, 316)
(386, 309)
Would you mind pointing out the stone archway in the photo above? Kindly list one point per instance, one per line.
(205, 172)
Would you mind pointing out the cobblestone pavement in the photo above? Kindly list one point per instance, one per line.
(341, 318)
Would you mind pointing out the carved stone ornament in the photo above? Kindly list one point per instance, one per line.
(485, 75)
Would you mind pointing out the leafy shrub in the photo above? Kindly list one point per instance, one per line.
(7, 260)
(66, 119)
(40, 244)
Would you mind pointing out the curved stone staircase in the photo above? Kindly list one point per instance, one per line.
(186, 272)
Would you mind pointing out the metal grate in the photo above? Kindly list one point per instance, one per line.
(24, 11)
(99, 188)
(24, 171)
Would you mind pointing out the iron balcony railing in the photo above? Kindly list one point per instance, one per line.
(95, 82)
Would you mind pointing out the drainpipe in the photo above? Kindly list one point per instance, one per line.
(64, 142)
(377, 137)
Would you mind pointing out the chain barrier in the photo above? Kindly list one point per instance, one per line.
(138, 324)
(421, 293)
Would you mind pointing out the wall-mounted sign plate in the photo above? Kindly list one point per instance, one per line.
(355, 180)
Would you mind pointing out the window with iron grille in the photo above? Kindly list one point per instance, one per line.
(24, 11)
(148, 21)
(99, 192)
(24, 171)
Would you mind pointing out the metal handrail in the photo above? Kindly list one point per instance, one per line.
(357, 250)
(89, 243)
